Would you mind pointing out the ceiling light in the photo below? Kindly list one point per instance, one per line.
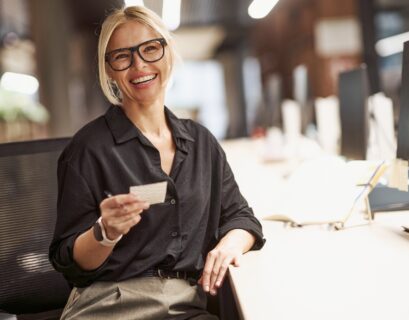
(129, 3)
(391, 45)
(171, 13)
(260, 8)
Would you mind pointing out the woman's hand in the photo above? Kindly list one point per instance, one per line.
(228, 251)
(120, 213)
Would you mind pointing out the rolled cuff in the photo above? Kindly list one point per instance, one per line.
(63, 261)
(245, 224)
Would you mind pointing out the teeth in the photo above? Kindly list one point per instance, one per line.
(143, 79)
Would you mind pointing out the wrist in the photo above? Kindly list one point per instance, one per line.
(239, 238)
(110, 235)
(101, 236)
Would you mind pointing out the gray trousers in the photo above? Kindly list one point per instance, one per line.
(139, 298)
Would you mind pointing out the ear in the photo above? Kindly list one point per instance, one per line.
(113, 85)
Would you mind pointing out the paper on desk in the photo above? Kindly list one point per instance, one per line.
(325, 190)
(399, 175)
(152, 193)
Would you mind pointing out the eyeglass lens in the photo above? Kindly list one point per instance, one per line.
(150, 51)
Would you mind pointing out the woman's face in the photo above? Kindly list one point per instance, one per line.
(143, 82)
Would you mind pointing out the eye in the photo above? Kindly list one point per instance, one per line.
(151, 48)
(119, 56)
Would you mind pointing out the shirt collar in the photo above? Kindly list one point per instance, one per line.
(178, 128)
(123, 129)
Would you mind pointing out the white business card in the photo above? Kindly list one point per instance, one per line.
(152, 193)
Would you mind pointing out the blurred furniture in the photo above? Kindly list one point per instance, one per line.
(30, 287)
(21, 130)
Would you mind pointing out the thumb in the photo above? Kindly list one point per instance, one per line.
(236, 261)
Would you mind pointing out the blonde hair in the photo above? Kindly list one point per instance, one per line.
(114, 20)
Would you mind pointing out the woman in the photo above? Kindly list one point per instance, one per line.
(125, 258)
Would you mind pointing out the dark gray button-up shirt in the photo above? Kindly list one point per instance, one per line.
(203, 201)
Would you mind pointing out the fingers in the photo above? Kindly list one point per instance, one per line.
(119, 201)
(207, 271)
(219, 270)
(122, 223)
(217, 282)
(124, 210)
(216, 266)
(236, 261)
(120, 213)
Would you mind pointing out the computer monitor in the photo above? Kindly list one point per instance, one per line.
(302, 94)
(383, 198)
(353, 92)
(403, 125)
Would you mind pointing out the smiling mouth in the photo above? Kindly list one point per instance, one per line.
(144, 79)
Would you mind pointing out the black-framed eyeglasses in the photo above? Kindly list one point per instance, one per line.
(149, 51)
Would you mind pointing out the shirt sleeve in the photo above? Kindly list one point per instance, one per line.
(235, 213)
(77, 211)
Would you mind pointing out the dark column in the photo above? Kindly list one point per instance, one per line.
(51, 33)
(367, 17)
(233, 76)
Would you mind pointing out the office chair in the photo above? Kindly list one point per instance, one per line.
(29, 286)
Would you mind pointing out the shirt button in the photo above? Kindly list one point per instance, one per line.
(173, 201)
(174, 234)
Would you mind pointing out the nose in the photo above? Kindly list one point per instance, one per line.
(138, 63)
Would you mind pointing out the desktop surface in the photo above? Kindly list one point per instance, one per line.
(311, 273)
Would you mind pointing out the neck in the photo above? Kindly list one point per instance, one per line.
(149, 118)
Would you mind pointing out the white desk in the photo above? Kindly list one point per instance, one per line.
(308, 273)
(311, 273)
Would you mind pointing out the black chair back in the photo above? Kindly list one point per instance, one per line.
(28, 197)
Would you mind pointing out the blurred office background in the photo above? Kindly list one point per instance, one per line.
(236, 71)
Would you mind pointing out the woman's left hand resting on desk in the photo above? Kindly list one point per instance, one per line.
(228, 251)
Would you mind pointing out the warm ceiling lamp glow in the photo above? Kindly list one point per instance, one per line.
(171, 13)
(391, 45)
(129, 3)
(260, 8)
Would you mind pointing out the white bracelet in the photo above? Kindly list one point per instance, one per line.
(106, 241)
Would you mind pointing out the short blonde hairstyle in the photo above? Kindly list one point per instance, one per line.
(114, 20)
